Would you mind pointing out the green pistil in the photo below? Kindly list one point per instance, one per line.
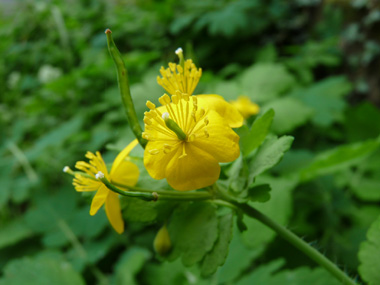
(175, 128)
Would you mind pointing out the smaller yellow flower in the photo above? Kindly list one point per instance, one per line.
(184, 79)
(122, 172)
(245, 106)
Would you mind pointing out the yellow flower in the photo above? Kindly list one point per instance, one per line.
(245, 106)
(184, 79)
(186, 142)
(122, 172)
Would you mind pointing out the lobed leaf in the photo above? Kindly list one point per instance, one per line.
(193, 230)
(369, 255)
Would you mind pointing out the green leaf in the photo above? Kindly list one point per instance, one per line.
(129, 264)
(278, 208)
(290, 113)
(269, 274)
(238, 177)
(265, 81)
(165, 273)
(326, 99)
(193, 230)
(40, 271)
(359, 122)
(14, 232)
(136, 210)
(269, 154)
(369, 255)
(338, 158)
(217, 256)
(239, 259)
(252, 139)
(259, 193)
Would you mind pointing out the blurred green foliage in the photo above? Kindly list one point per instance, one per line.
(59, 98)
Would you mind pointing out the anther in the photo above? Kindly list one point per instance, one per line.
(195, 100)
(150, 105)
(99, 175)
(167, 148)
(164, 99)
(192, 138)
(185, 97)
(206, 133)
(147, 121)
(175, 99)
(206, 120)
(145, 136)
(193, 116)
(202, 112)
(66, 169)
(154, 151)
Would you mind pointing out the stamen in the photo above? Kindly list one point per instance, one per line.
(150, 105)
(191, 138)
(206, 133)
(154, 151)
(147, 121)
(164, 99)
(145, 136)
(175, 99)
(206, 120)
(167, 148)
(183, 151)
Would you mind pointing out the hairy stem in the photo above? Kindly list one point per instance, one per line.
(297, 242)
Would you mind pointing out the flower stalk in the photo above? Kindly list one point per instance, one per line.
(154, 195)
(123, 82)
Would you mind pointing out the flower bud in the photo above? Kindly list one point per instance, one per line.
(162, 244)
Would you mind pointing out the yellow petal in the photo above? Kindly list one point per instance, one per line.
(99, 199)
(222, 143)
(196, 170)
(127, 173)
(122, 155)
(113, 212)
(155, 164)
(245, 106)
(216, 102)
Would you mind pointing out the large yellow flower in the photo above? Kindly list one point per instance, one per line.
(184, 79)
(122, 172)
(186, 142)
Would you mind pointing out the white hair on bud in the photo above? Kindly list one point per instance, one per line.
(178, 50)
(165, 116)
(66, 169)
(99, 175)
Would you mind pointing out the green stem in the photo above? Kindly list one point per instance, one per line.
(157, 195)
(297, 242)
(164, 192)
(143, 196)
(122, 78)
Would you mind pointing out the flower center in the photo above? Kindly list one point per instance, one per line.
(180, 78)
(178, 122)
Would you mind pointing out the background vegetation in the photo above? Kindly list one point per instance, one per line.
(316, 64)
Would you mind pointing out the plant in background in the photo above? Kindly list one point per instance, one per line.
(184, 141)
